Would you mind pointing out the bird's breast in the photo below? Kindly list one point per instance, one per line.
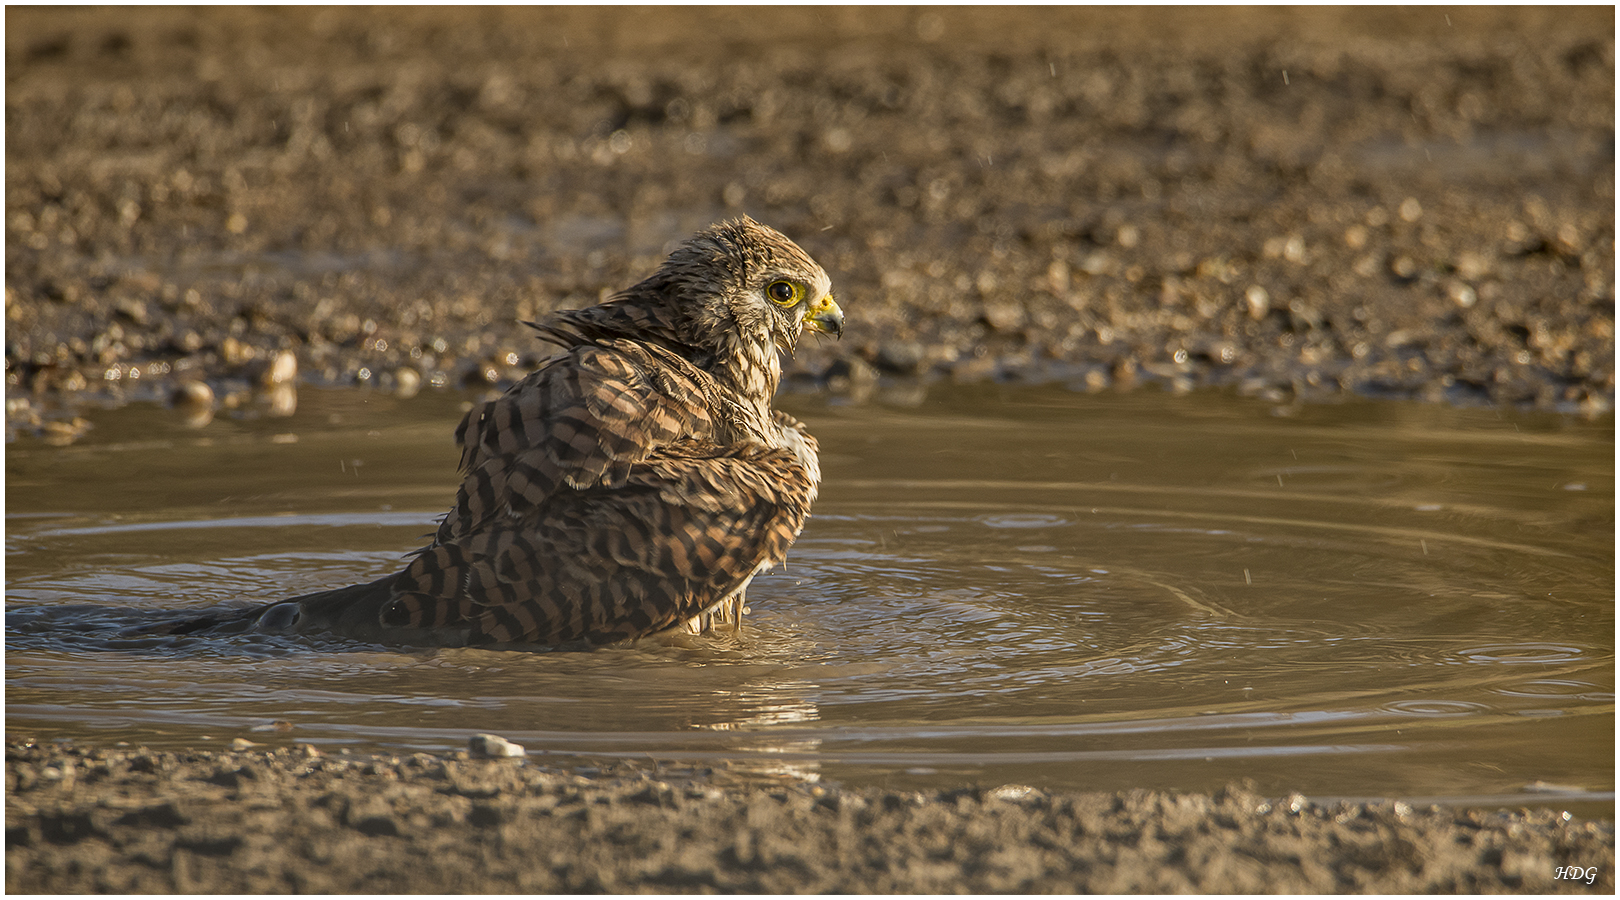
(803, 449)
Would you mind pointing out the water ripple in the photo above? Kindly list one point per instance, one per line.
(1434, 708)
(1522, 654)
(1122, 592)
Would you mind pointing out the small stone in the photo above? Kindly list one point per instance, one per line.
(1259, 301)
(900, 357)
(1097, 264)
(194, 393)
(1057, 276)
(377, 825)
(60, 434)
(1294, 249)
(1003, 317)
(235, 352)
(491, 746)
(283, 369)
(1472, 266)
(240, 744)
(1012, 793)
(972, 368)
(1125, 371)
(135, 311)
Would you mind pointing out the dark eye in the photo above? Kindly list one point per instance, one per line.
(785, 293)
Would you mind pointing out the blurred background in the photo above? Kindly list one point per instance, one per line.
(1292, 202)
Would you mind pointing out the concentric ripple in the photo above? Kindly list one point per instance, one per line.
(1035, 587)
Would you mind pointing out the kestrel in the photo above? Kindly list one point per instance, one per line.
(634, 483)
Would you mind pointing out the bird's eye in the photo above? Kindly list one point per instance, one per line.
(784, 293)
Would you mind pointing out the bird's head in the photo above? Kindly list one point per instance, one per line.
(746, 286)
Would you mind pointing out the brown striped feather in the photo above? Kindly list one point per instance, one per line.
(634, 483)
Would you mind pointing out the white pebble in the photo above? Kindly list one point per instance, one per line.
(491, 746)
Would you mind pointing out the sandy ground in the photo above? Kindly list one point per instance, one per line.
(222, 204)
(134, 820)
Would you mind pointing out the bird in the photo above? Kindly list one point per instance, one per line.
(634, 483)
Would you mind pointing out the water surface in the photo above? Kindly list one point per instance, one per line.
(997, 586)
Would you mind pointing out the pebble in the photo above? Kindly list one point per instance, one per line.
(283, 369)
(60, 434)
(1259, 301)
(900, 357)
(195, 401)
(1471, 266)
(1356, 218)
(194, 393)
(1013, 793)
(235, 352)
(491, 746)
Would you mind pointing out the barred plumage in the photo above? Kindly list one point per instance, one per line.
(632, 484)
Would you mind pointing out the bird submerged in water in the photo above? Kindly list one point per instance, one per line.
(634, 483)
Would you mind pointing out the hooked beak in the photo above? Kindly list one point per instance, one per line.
(825, 317)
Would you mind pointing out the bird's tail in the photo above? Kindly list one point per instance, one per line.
(352, 612)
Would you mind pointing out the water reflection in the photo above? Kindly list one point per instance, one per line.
(1033, 587)
(774, 714)
(195, 402)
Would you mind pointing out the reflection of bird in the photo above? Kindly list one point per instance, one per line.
(634, 483)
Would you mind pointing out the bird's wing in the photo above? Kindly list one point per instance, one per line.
(596, 506)
(685, 530)
(581, 421)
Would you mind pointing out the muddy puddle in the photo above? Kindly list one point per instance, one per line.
(1038, 586)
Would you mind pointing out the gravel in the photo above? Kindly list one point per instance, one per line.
(1295, 204)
